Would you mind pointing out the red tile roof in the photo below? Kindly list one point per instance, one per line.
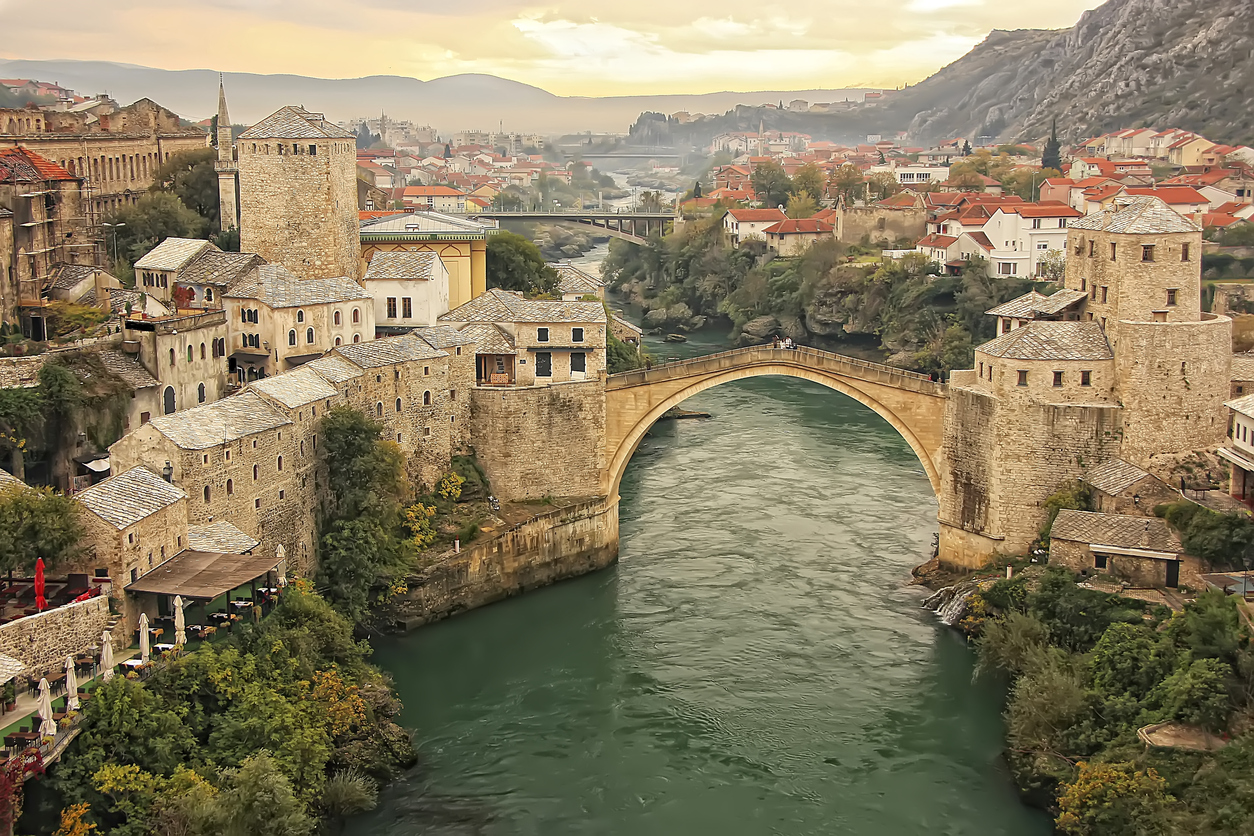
(901, 199)
(433, 191)
(1219, 219)
(937, 241)
(1172, 195)
(1044, 209)
(26, 166)
(801, 226)
(756, 215)
(980, 238)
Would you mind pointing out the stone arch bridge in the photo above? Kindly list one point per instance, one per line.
(912, 403)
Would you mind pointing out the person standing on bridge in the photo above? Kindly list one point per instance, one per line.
(775, 341)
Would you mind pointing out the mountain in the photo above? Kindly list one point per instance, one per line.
(1127, 63)
(453, 103)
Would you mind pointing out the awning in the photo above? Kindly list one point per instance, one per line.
(97, 465)
(300, 359)
(204, 575)
(1236, 457)
(251, 356)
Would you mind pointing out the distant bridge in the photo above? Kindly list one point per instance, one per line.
(912, 403)
(629, 226)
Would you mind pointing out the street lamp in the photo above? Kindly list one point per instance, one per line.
(115, 228)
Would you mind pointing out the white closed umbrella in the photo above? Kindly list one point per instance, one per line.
(180, 623)
(48, 728)
(106, 656)
(71, 685)
(143, 639)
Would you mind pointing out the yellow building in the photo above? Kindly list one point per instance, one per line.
(461, 243)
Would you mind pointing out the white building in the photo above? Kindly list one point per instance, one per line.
(1021, 234)
(409, 289)
(740, 224)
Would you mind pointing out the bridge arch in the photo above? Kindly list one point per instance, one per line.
(912, 404)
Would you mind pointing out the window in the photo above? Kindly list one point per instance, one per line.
(309, 335)
(282, 494)
(981, 370)
(228, 455)
(452, 394)
(291, 337)
(190, 356)
(542, 335)
(144, 418)
(230, 487)
(398, 404)
(1171, 296)
(206, 493)
(356, 316)
(426, 398)
(407, 307)
(391, 305)
(576, 335)
(1062, 223)
(398, 438)
(300, 316)
(1113, 251)
(1086, 378)
(208, 294)
(426, 431)
(1006, 268)
(356, 338)
(1036, 223)
(1084, 283)
(426, 370)
(1057, 378)
(1092, 249)
(578, 362)
(205, 459)
(257, 504)
(313, 150)
(1184, 252)
(337, 317)
(378, 409)
(1147, 252)
(200, 393)
(1099, 561)
(254, 473)
(202, 351)
(338, 341)
(1105, 289)
(1023, 377)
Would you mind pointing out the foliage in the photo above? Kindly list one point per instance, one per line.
(1225, 540)
(153, 218)
(619, 356)
(801, 205)
(72, 823)
(192, 178)
(1075, 617)
(1114, 798)
(515, 263)
(1011, 644)
(418, 519)
(349, 792)
(35, 523)
(809, 179)
(1051, 156)
(67, 317)
(846, 182)
(450, 486)
(771, 183)
(1074, 496)
(1238, 235)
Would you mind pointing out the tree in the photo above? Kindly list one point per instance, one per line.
(846, 182)
(696, 190)
(1053, 266)
(35, 523)
(966, 148)
(190, 175)
(259, 801)
(1051, 156)
(1114, 798)
(801, 205)
(771, 183)
(809, 180)
(619, 356)
(514, 263)
(153, 218)
(883, 185)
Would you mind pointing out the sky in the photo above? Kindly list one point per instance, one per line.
(569, 47)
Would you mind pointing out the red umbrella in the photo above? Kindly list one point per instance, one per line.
(40, 601)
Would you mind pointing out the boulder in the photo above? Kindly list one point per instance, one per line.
(791, 326)
(655, 319)
(761, 327)
(678, 314)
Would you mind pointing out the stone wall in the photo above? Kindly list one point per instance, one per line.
(881, 223)
(1141, 572)
(41, 642)
(563, 543)
(541, 441)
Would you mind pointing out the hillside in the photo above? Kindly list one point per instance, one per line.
(1127, 63)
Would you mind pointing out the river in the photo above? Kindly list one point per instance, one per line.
(755, 664)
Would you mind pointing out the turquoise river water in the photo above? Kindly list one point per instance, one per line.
(755, 664)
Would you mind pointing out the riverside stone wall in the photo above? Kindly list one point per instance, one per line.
(564, 543)
(41, 642)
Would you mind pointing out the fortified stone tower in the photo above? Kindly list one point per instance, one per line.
(228, 174)
(1121, 363)
(298, 194)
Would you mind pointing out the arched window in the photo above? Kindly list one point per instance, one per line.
(398, 404)
(202, 351)
(230, 487)
(208, 294)
(280, 462)
(171, 357)
(302, 448)
(300, 316)
(254, 473)
(426, 399)
(356, 338)
(200, 393)
(337, 340)
(337, 317)
(356, 316)
(206, 493)
(190, 356)
(378, 409)
(309, 335)
(291, 337)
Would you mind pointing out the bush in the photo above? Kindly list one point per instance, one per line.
(1114, 798)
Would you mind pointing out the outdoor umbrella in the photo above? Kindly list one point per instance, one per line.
(71, 685)
(106, 656)
(143, 639)
(41, 603)
(180, 623)
(48, 728)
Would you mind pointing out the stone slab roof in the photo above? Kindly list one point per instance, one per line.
(389, 351)
(217, 268)
(173, 254)
(1051, 341)
(1118, 530)
(489, 339)
(220, 536)
(334, 369)
(1021, 307)
(217, 423)
(1141, 215)
(295, 388)
(444, 336)
(1059, 301)
(402, 266)
(294, 122)
(497, 305)
(420, 223)
(129, 497)
(69, 276)
(118, 297)
(127, 368)
(1243, 367)
(1243, 405)
(570, 279)
(1114, 477)
(274, 286)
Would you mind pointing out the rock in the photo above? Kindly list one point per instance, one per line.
(790, 326)
(761, 327)
(655, 319)
(697, 322)
(824, 326)
(679, 313)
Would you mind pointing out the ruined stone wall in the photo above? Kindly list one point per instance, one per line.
(41, 642)
(8, 271)
(881, 222)
(299, 209)
(563, 543)
(538, 441)
(966, 495)
(1173, 380)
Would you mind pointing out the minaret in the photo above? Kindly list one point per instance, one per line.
(228, 174)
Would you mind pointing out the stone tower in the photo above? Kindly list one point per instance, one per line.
(298, 194)
(228, 174)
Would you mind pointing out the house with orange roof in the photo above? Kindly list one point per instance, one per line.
(742, 224)
(1184, 200)
(1022, 234)
(1086, 167)
(435, 198)
(793, 236)
(1189, 150)
(938, 248)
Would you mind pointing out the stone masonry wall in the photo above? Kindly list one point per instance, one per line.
(1141, 572)
(563, 543)
(881, 222)
(41, 642)
(544, 440)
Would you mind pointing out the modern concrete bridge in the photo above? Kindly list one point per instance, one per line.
(630, 226)
(912, 403)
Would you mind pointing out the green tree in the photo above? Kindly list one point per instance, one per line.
(1114, 798)
(771, 183)
(809, 180)
(883, 185)
(1051, 156)
(1198, 694)
(191, 176)
(1129, 659)
(35, 523)
(153, 218)
(846, 182)
(1011, 644)
(801, 205)
(621, 357)
(259, 801)
(514, 263)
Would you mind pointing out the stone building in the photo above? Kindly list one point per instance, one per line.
(186, 353)
(409, 290)
(1141, 551)
(574, 284)
(1121, 487)
(461, 244)
(116, 154)
(1136, 372)
(297, 185)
